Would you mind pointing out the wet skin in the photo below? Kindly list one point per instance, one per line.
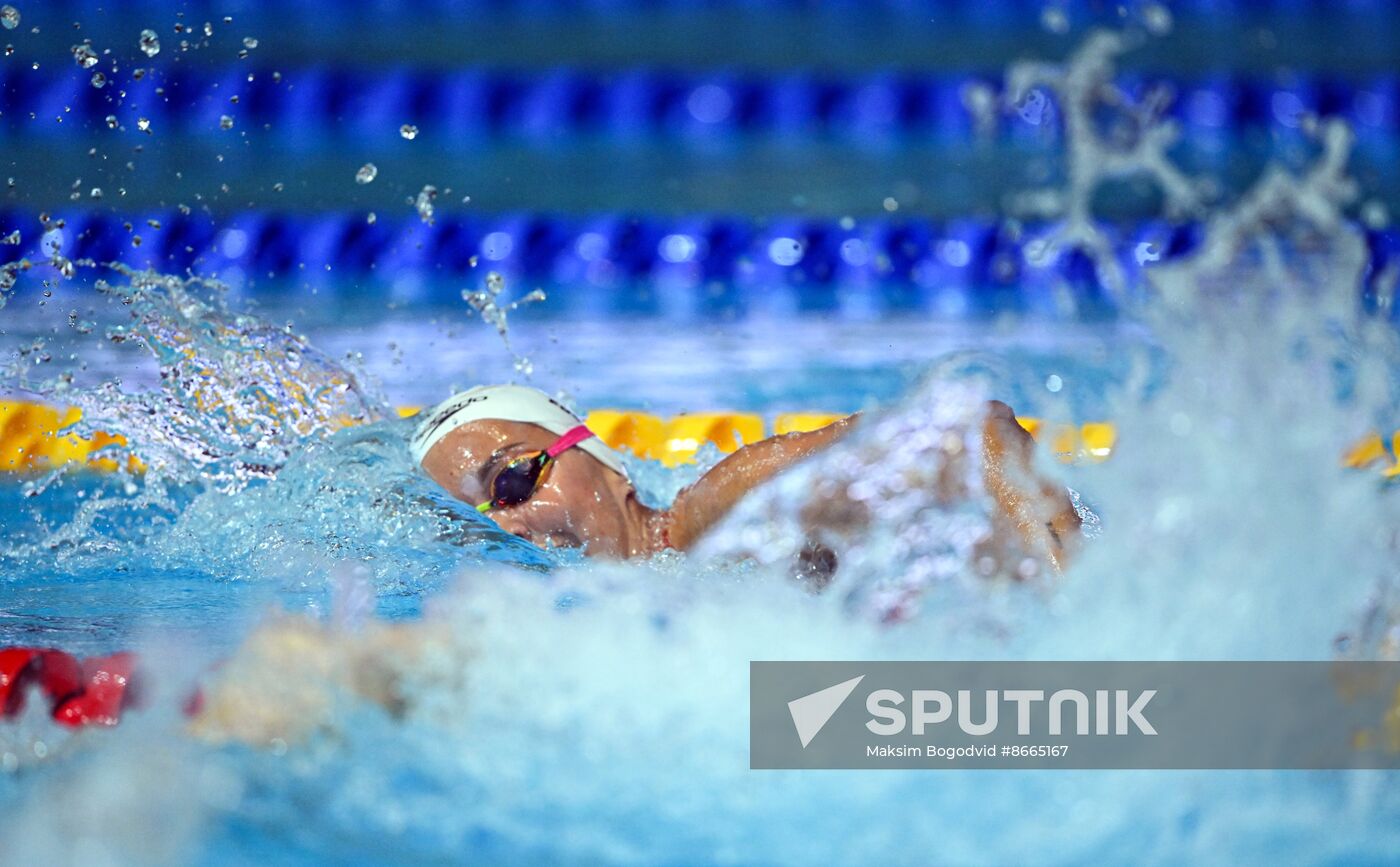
(258, 699)
(583, 503)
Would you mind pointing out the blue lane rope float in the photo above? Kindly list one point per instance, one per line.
(318, 107)
(1000, 14)
(697, 263)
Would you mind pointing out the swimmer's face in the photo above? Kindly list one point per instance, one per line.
(580, 503)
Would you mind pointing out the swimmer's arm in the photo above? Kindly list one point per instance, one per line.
(703, 504)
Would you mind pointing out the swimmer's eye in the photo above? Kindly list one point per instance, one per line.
(522, 476)
(516, 482)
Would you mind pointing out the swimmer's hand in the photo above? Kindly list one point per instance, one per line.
(287, 680)
(703, 504)
(1036, 510)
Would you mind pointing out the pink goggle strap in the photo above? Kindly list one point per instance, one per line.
(571, 438)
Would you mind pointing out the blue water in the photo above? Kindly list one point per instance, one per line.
(573, 711)
(591, 713)
(94, 600)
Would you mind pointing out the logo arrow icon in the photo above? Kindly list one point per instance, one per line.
(811, 712)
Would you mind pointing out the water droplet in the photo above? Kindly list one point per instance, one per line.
(424, 203)
(208, 29)
(1375, 215)
(1053, 383)
(84, 56)
(144, 124)
(150, 43)
(366, 174)
(225, 122)
(1054, 19)
(1158, 19)
(250, 43)
(98, 79)
(111, 121)
(409, 131)
(9, 16)
(371, 219)
(96, 193)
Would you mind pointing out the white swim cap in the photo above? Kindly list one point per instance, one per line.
(504, 403)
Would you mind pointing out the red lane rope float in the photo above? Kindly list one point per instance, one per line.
(94, 691)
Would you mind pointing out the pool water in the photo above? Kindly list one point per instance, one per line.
(591, 712)
(419, 356)
(598, 711)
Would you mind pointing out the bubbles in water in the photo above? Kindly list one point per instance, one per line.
(98, 80)
(250, 43)
(366, 174)
(980, 100)
(9, 16)
(225, 122)
(1054, 19)
(150, 43)
(111, 121)
(1375, 214)
(1032, 109)
(1157, 18)
(84, 56)
(143, 124)
(423, 203)
(408, 131)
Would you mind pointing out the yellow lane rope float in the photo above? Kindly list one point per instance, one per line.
(30, 440)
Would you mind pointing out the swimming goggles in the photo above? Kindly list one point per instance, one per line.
(520, 478)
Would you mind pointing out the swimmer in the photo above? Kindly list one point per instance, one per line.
(532, 466)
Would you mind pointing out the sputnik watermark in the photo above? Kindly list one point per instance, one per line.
(1083, 715)
(931, 707)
